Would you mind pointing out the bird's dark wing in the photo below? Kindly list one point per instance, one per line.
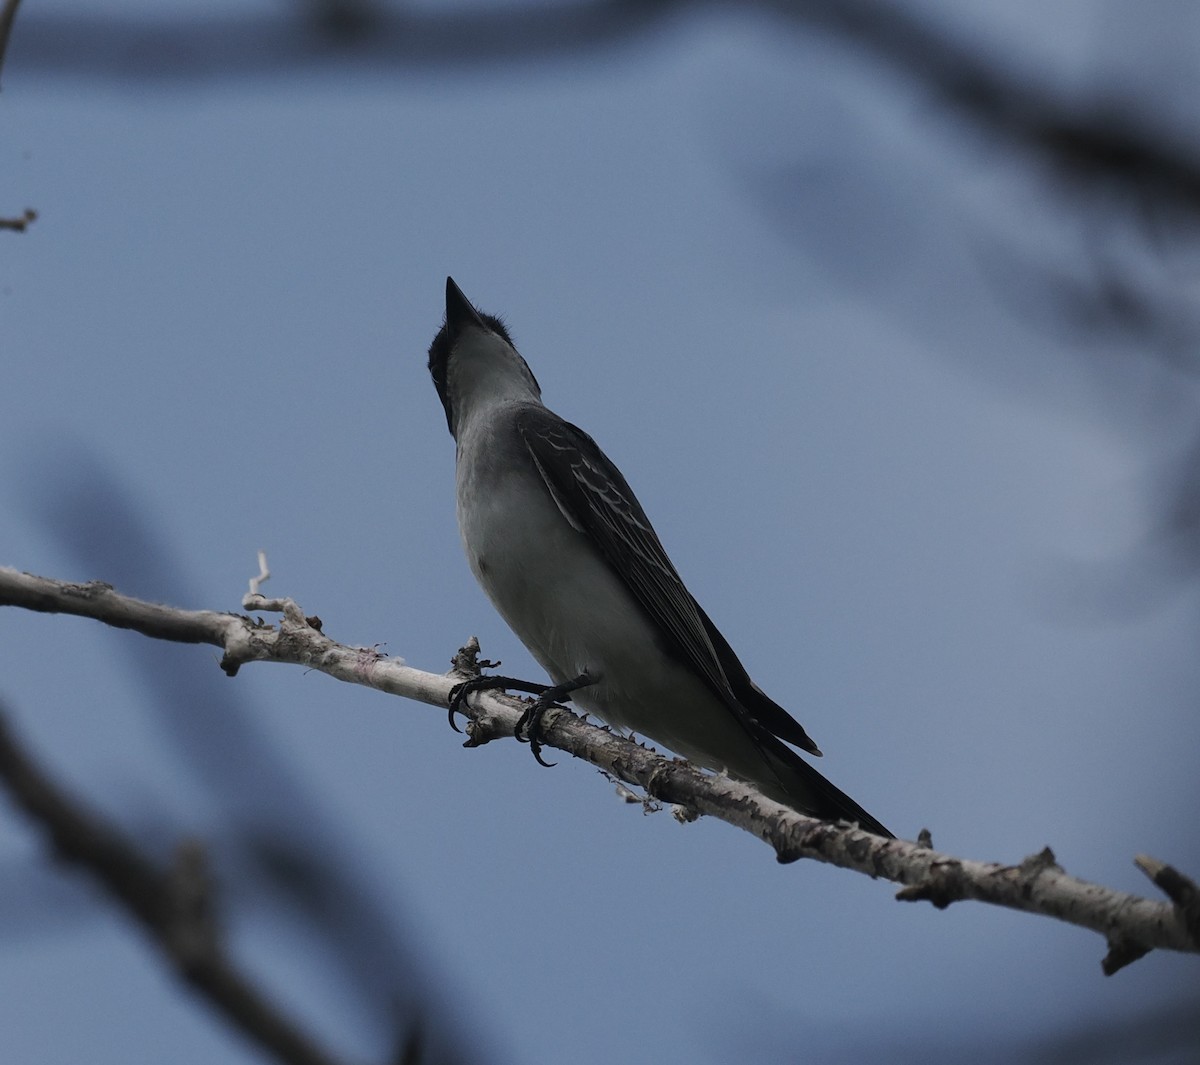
(596, 499)
(768, 713)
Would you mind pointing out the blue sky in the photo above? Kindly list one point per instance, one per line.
(763, 277)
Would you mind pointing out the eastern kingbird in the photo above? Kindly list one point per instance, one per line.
(566, 554)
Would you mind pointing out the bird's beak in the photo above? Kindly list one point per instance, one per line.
(459, 312)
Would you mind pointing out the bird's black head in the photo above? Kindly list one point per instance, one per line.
(461, 316)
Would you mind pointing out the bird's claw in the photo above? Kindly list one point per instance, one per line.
(460, 691)
(529, 724)
(529, 728)
(457, 694)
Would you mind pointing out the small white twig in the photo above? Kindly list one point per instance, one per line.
(264, 574)
(255, 600)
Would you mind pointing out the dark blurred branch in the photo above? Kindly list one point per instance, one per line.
(22, 221)
(342, 20)
(1132, 925)
(397, 38)
(280, 851)
(8, 14)
(1108, 137)
(1104, 137)
(174, 905)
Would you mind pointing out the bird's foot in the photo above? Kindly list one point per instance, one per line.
(529, 725)
(459, 692)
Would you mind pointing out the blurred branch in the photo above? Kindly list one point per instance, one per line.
(1132, 925)
(174, 905)
(22, 221)
(344, 20)
(280, 850)
(1118, 157)
(1107, 137)
(8, 14)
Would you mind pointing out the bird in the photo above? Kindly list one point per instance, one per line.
(565, 552)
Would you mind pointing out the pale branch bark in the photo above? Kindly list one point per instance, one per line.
(175, 905)
(1132, 925)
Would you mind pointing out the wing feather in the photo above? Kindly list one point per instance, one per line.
(598, 502)
(596, 499)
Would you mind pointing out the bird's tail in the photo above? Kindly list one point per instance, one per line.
(801, 787)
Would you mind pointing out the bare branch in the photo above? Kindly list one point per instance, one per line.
(175, 905)
(1132, 925)
(97, 600)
